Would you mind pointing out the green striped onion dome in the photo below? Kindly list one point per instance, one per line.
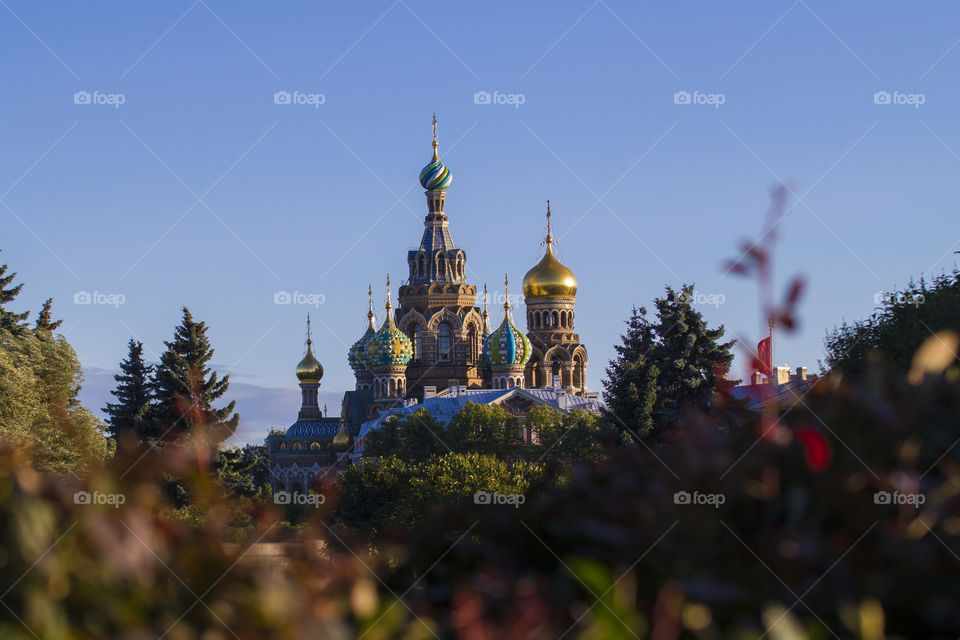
(507, 344)
(435, 176)
(388, 347)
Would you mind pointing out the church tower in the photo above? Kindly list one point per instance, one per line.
(550, 292)
(437, 311)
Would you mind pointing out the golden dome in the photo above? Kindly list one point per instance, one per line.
(341, 441)
(309, 370)
(550, 278)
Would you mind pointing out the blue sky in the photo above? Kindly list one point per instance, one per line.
(199, 190)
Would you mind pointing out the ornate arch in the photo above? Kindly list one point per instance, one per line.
(557, 353)
(409, 319)
(445, 315)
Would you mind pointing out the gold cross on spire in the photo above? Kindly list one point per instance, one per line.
(435, 154)
(549, 239)
(388, 305)
(309, 341)
(484, 298)
(506, 292)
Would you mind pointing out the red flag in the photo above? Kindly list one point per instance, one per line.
(763, 357)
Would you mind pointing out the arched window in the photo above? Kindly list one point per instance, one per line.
(536, 319)
(443, 342)
(474, 344)
(415, 341)
(393, 388)
(555, 323)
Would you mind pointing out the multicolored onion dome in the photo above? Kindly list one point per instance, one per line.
(356, 353)
(309, 370)
(507, 344)
(435, 176)
(388, 347)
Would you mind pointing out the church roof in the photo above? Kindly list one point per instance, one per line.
(325, 428)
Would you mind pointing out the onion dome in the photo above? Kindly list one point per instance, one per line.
(309, 370)
(356, 353)
(507, 345)
(549, 278)
(389, 346)
(341, 441)
(486, 316)
(435, 176)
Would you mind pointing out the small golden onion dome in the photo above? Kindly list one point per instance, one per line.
(309, 370)
(550, 278)
(341, 441)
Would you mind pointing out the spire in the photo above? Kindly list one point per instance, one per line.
(309, 341)
(549, 239)
(370, 317)
(436, 155)
(506, 292)
(388, 306)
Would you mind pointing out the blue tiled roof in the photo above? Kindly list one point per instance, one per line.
(323, 428)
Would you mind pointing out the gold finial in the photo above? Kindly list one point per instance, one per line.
(370, 317)
(506, 292)
(309, 341)
(549, 239)
(388, 306)
(484, 299)
(436, 156)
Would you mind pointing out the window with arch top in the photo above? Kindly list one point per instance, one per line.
(443, 342)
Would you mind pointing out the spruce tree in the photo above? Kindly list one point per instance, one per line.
(133, 414)
(45, 319)
(186, 388)
(692, 361)
(10, 321)
(630, 390)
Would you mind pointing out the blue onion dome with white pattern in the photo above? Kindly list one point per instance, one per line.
(435, 176)
(357, 352)
(388, 347)
(507, 344)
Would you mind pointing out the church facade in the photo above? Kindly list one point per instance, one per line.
(438, 342)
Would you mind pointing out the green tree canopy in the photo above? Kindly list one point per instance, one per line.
(132, 413)
(893, 333)
(186, 388)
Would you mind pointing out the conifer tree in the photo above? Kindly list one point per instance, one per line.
(132, 413)
(691, 359)
(45, 319)
(186, 388)
(10, 321)
(630, 390)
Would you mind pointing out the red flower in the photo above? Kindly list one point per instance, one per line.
(816, 448)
